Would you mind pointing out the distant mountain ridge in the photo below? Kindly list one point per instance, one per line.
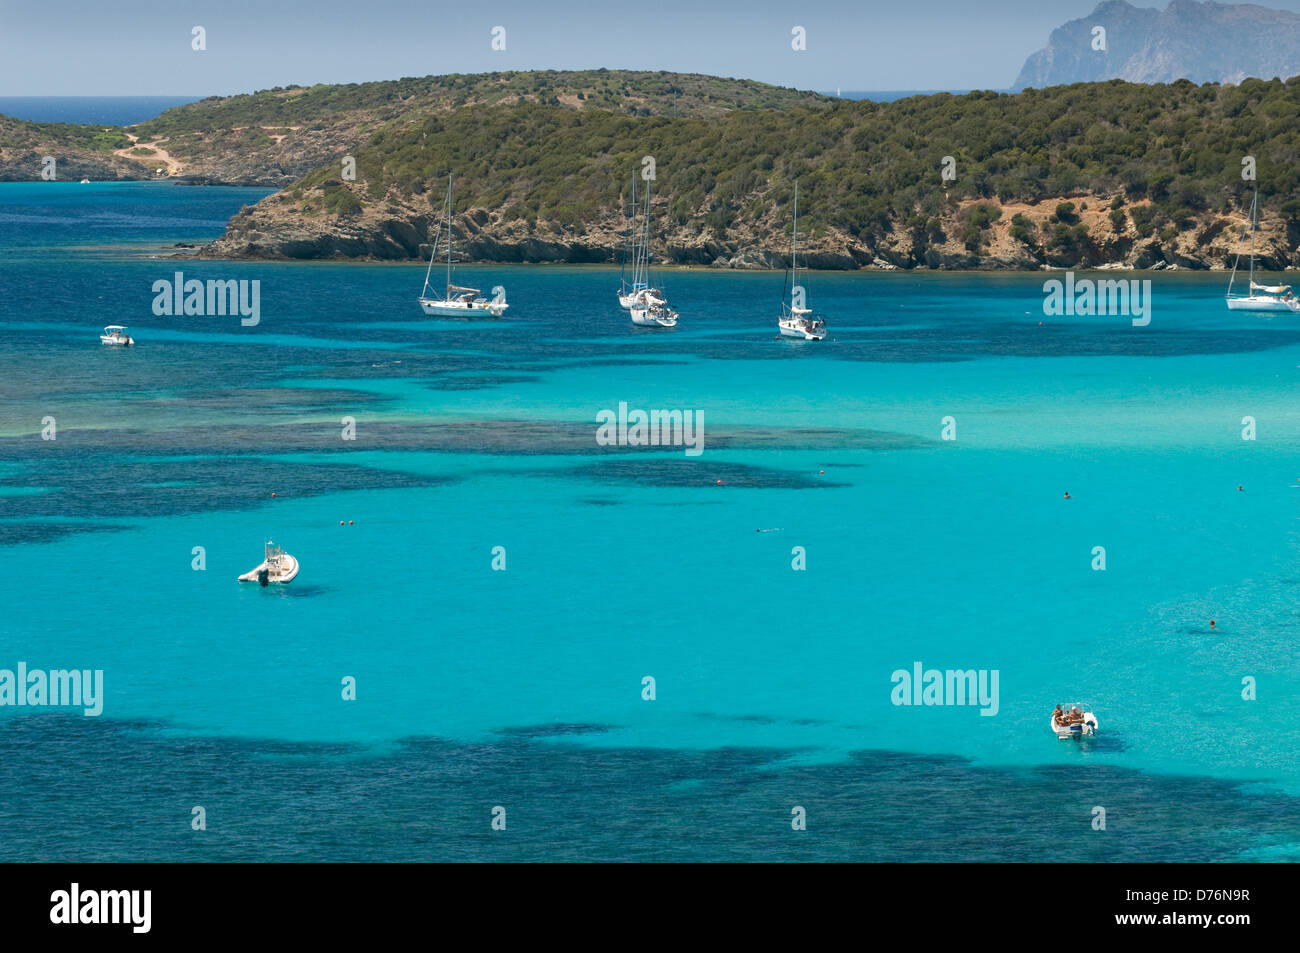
(1203, 42)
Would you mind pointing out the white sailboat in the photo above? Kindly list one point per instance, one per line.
(1261, 297)
(458, 301)
(637, 291)
(649, 307)
(796, 321)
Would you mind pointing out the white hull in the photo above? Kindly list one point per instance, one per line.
(286, 573)
(1261, 297)
(1263, 303)
(462, 309)
(116, 342)
(1079, 730)
(640, 300)
(657, 319)
(792, 329)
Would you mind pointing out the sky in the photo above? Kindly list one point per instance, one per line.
(144, 47)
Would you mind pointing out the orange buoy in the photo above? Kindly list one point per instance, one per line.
(340, 522)
(272, 494)
(718, 482)
(823, 472)
(349, 522)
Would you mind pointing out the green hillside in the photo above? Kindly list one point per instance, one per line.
(638, 93)
(285, 117)
(862, 167)
(275, 136)
(19, 134)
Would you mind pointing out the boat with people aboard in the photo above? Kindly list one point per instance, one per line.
(1073, 720)
(115, 335)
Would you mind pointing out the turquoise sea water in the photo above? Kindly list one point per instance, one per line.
(523, 688)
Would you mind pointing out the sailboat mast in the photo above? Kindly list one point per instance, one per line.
(631, 233)
(447, 297)
(794, 235)
(645, 248)
(1254, 209)
(627, 238)
(648, 203)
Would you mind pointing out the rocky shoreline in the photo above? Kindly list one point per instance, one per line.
(396, 231)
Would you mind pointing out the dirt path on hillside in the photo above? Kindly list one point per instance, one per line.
(160, 158)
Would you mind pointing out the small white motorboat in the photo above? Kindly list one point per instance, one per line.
(115, 335)
(85, 181)
(1073, 720)
(278, 567)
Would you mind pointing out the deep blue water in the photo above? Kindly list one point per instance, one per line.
(109, 110)
(523, 688)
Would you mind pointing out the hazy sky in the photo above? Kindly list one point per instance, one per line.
(143, 47)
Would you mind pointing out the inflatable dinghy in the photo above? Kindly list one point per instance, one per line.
(278, 567)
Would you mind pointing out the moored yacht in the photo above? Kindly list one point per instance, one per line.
(458, 301)
(1261, 297)
(637, 291)
(796, 321)
(646, 304)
